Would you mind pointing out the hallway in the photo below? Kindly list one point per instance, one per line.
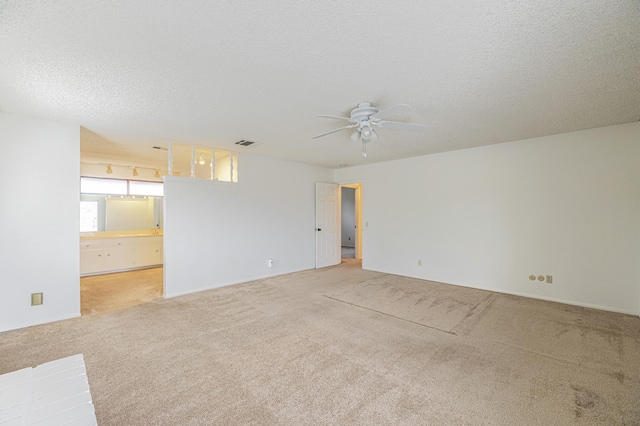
(348, 252)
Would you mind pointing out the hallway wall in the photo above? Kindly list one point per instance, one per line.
(348, 216)
(39, 220)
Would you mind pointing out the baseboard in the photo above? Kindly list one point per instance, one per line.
(47, 321)
(115, 271)
(528, 295)
(226, 284)
(570, 302)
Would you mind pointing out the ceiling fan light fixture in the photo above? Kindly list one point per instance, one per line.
(366, 133)
(365, 116)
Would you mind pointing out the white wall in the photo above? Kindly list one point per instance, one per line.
(39, 220)
(564, 205)
(348, 205)
(221, 233)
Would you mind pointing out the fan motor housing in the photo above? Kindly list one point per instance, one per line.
(363, 111)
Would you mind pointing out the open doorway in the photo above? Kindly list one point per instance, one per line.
(351, 223)
(121, 243)
(329, 226)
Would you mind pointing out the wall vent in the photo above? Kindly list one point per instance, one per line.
(244, 142)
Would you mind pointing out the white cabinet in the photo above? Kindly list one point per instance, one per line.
(91, 257)
(104, 255)
(149, 254)
(118, 258)
(91, 261)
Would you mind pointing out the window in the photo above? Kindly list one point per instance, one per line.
(152, 189)
(120, 187)
(202, 163)
(103, 186)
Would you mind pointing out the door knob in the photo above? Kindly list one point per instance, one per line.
(319, 229)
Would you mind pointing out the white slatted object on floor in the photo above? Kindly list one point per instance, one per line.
(52, 394)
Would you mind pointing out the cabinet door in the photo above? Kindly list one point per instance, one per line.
(147, 255)
(118, 258)
(91, 261)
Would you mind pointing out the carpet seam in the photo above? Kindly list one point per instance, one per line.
(530, 351)
(391, 316)
(485, 303)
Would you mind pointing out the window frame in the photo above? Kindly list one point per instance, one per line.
(128, 192)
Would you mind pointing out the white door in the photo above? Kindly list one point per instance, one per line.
(327, 225)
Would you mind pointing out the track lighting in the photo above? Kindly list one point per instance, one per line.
(122, 168)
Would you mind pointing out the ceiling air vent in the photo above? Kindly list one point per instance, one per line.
(246, 143)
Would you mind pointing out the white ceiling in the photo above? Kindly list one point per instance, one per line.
(141, 73)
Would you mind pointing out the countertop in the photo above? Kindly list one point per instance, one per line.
(120, 234)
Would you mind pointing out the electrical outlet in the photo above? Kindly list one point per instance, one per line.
(36, 299)
(419, 262)
(270, 263)
(549, 279)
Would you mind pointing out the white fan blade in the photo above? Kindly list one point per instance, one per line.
(394, 110)
(410, 127)
(334, 116)
(336, 130)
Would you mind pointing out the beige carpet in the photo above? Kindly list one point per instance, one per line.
(346, 346)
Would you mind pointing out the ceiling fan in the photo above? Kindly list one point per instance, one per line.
(365, 116)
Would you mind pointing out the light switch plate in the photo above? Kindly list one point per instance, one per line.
(36, 299)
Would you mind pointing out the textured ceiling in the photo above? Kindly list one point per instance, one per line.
(141, 73)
